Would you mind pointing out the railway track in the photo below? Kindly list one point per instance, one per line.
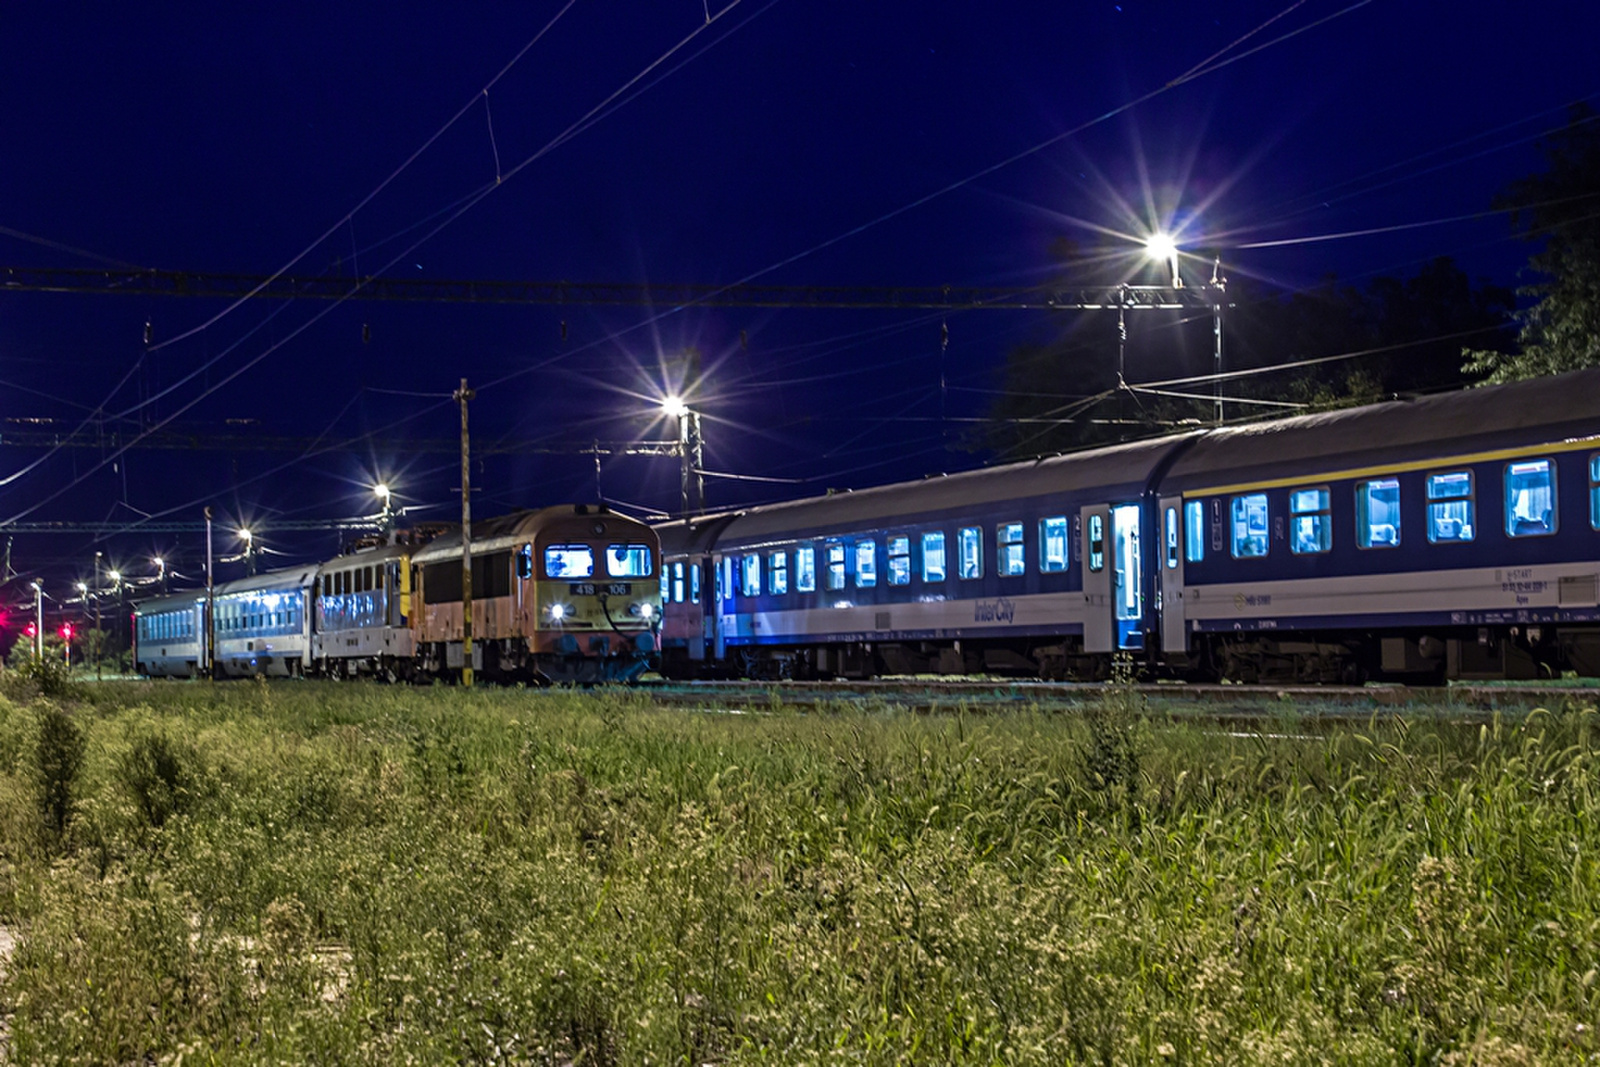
(1229, 703)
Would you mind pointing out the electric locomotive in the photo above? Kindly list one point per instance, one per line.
(568, 594)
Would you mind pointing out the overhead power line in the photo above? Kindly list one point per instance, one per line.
(180, 440)
(143, 282)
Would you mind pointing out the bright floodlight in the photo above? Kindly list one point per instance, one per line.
(245, 536)
(674, 406)
(115, 576)
(83, 587)
(1161, 246)
(381, 490)
(159, 562)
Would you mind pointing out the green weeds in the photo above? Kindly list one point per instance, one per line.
(364, 874)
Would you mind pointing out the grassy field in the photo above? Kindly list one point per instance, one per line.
(324, 873)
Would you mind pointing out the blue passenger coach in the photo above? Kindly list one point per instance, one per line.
(169, 636)
(986, 570)
(263, 626)
(1450, 536)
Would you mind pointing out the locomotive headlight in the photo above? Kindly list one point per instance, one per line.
(647, 611)
(557, 612)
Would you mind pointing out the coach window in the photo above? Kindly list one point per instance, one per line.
(1378, 513)
(1172, 538)
(750, 575)
(1451, 515)
(899, 561)
(969, 552)
(1053, 544)
(1250, 525)
(866, 564)
(1310, 521)
(628, 561)
(1194, 531)
(1594, 490)
(1097, 543)
(568, 561)
(778, 573)
(835, 566)
(694, 583)
(677, 583)
(1010, 554)
(805, 569)
(1531, 498)
(933, 556)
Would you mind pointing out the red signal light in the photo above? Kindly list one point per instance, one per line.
(31, 630)
(66, 631)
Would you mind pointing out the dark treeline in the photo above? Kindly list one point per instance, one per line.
(1434, 330)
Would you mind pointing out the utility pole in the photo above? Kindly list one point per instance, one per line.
(1218, 288)
(99, 634)
(463, 395)
(209, 655)
(38, 621)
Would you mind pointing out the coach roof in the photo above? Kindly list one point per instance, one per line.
(1550, 409)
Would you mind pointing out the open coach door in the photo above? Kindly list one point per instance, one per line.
(1174, 636)
(1098, 610)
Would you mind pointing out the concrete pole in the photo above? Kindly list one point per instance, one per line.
(463, 395)
(209, 654)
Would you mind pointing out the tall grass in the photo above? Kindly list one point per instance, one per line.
(355, 874)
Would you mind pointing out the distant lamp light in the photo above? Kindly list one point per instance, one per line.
(160, 563)
(83, 587)
(115, 576)
(246, 536)
(381, 491)
(1161, 246)
(674, 407)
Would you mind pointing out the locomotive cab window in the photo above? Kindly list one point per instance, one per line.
(1451, 515)
(778, 573)
(805, 569)
(1010, 555)
(1531, 498)
(1053, 544)
(1097, 543)
(568, 561)
(1250, 526)
(1378, 513)
(628, 561)
(969, 549)
(525, 562)
(1194, 531)
(899, 561)
(1310, 521)
(750, 575)
(933, 557)
(866, 564)
(1594, 490)
(835, 567)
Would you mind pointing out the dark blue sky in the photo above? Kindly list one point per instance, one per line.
(224, 138)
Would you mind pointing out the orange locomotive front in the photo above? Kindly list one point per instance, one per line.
(568, 594)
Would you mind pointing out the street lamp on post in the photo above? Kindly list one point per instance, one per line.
(161, 573)
(249, 540)
(385, 516)
(691, 450)
(1163, 248)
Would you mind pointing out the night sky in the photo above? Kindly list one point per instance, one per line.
(784, 141)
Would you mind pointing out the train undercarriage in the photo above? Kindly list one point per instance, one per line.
(1310, 658)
